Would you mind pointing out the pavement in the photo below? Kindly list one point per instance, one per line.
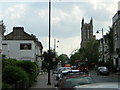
(42, 81)
(117, 73)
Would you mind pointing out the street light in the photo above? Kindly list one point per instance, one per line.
(49, 83)
(54, 51)
(55, 46)
(102, 44)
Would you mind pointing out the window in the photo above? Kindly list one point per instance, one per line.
(4, 44)
(88, 33)
(25, 46)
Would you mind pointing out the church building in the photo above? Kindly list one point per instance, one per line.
(86, 32)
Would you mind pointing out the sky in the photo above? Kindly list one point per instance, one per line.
(66, 17)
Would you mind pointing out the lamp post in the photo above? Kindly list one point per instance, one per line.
(49, 62)
(102, 44)
(54, 51)
(55, 46)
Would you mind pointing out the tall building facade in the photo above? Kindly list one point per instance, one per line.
(116, 37)
(86, 32)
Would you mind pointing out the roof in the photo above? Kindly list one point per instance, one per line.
(18, 33)
(116, 16)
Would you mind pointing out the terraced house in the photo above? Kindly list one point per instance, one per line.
(116, 37)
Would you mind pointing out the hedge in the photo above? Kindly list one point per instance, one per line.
(12, 74)
(6, 62)
(5, 85)
(24, 70)
(31, 68)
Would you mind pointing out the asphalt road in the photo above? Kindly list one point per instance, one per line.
(100, 78)
(41, 83)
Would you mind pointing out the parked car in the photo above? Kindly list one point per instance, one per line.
(70, 73)
(102, 70)
(70, 82)
(59, 71)
(75, 72)
(99, 86)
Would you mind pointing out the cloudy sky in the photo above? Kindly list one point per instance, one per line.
(66, 19)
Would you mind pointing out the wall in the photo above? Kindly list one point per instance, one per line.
(12, 50)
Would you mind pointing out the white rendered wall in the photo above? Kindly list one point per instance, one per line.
(12, 50)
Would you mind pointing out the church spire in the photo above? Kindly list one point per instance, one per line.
(91, 21)
(82, 20)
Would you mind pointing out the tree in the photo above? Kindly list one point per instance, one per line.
(78, 55)
(109, 37)
(74, 57)
(48, 59)
(63, 58)
(89, 52)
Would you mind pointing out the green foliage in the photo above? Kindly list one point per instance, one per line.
(14, 70)
(89, 52)
(63, 58)
(110, 66)
(110, 42)
(49, 59)
(31, 68)
(6, 62)
(109, 37)
(46, 56)
(44, 64)
(5, 85)
(75, 56)
(12, 74)
(44, 70)
(92, 51)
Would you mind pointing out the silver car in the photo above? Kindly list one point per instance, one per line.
(102, 70)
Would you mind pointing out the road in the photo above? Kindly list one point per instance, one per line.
(41, 83)
(100, 78)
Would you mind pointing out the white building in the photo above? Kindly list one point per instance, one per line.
(2, 30)
(22, 46)
(103, 49)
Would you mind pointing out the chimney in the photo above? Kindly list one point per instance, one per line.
(18, 29)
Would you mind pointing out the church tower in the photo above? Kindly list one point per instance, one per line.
(86, 31)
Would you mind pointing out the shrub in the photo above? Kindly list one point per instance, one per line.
(6, 62)
(110, 66)
(12, 74)
(5, 85)
(31, 68)
(44, 70)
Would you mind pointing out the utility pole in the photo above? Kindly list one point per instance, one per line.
(49, 62)
(103, 46)
(54, 45)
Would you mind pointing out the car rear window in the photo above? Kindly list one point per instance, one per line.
(71, 82)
